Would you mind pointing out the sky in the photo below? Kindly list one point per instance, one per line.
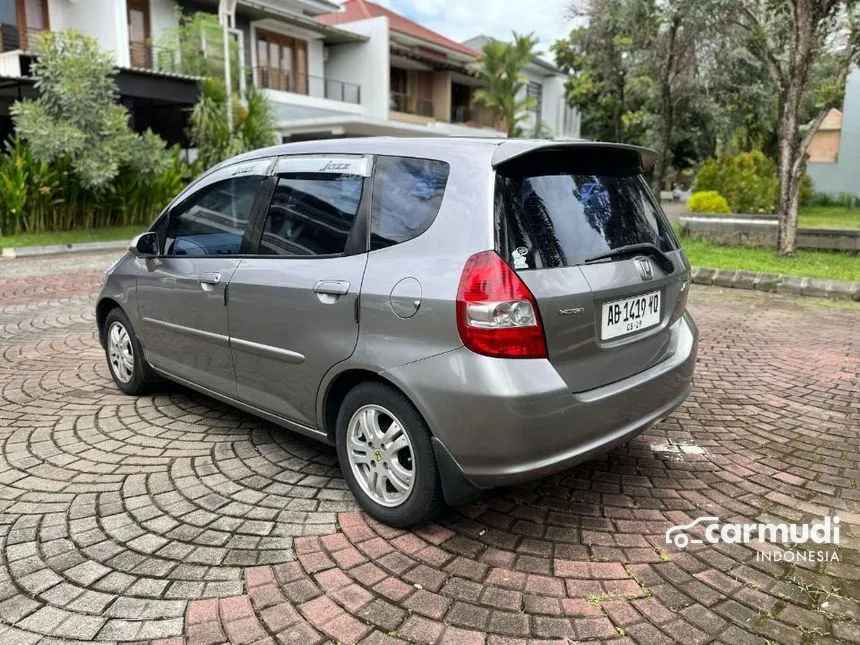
(462, 19)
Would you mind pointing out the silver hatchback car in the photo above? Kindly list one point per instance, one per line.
(452, 314)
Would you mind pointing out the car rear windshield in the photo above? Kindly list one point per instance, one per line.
(562, 214)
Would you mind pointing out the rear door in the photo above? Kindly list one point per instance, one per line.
(293, 306)
(567, 220)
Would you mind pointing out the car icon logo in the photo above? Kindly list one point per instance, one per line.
(676, 535)
(646, 271)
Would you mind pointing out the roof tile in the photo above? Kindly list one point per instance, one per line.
(362, 9)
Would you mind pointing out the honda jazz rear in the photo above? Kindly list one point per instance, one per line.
(451, 315)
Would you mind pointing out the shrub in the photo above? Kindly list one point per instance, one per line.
(838, 200)
(43, 196)
(748, 181)
(708, 201)
(77, 120)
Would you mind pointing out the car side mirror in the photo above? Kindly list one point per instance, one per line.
(144, 245)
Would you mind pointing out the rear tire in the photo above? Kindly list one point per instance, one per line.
(386, 456)
(127, 366)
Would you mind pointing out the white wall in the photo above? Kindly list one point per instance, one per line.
(316, 67)
(554, 107)
(553, 103)
(528, 123)
(105, 20)
(366, 64)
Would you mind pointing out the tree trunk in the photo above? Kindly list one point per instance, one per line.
(789, 188)
(790, 149)
(659, 176)
(667, 105)
(618, 111)
(786, 244)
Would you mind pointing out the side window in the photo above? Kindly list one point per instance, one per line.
(311, 214)
(407, 194)
(213, 220)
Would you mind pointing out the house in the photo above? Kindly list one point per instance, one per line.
(417, 81)
(329, 70)
(155, 100)
(551, 116)
(834, 154)
(824, 147)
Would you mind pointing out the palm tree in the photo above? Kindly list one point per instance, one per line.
(500, 67)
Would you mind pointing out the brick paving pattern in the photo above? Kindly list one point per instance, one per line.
(175, 520)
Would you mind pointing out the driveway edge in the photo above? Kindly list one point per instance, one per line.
(778, 283)
(56, 249)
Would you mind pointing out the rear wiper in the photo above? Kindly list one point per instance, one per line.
(663, 260)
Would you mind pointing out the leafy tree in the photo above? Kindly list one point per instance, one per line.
(635, 72)
(196, 47)
(598, 58)
(674, 31)
(500, 67)
(794, 41)
(253, 123)
(77, 117)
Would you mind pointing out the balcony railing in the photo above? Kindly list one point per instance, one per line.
(472, 115)
(12, 37)
(140, 55)
(409, 104)
(321, 87)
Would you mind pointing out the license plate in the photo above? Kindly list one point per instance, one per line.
(630, 315)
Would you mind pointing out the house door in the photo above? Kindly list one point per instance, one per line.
(139, 34)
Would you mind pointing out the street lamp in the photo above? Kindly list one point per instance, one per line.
(227, 20)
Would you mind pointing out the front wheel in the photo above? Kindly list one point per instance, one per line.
(124, 354)
(386, 457)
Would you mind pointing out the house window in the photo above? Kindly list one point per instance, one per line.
(282, 62)
(140, 51)
(411, 92)
(19, 21)
(535, 90)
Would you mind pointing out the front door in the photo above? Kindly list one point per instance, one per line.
(181, 295)
(293, 307)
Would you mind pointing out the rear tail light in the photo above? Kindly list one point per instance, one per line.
(496, 313)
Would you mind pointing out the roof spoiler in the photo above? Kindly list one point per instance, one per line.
(518, 148)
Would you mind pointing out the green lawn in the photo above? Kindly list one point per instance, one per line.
(813, 264)
(107, 234)
(830, 217)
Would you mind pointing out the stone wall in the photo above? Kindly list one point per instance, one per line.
(758, 231)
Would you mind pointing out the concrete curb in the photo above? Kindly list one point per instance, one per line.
(778, 283)
(54, 249)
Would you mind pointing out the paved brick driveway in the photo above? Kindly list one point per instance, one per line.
(174, 517)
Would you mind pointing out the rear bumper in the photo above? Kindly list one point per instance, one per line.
(508, 421)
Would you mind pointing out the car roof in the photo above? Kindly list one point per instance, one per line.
(499, 150)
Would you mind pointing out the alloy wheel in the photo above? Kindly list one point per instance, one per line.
(380, 455)
(120, 352)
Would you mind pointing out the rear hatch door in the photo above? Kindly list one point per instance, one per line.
(582, 229)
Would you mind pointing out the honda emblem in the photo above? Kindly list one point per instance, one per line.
(646, 271)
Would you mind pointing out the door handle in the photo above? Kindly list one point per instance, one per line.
(332, 287)
(208, 281)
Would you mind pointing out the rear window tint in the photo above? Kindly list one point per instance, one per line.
(558, 219)
(407, 194)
